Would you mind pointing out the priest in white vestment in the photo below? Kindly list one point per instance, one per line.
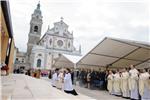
(124, 83)
(68, 87)
(117, 84)
(144, 85)
(133, 83)
(55, 78)
(60, 79)
(110, 82)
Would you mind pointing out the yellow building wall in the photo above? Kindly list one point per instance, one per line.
(4, 43)
(4, 37)
(4, 46)
(11, 57)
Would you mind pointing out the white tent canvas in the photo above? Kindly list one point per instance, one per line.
(67, 61)
(111, 52)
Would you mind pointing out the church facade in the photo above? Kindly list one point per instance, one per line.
(42, 51)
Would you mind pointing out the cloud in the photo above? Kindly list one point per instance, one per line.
(90, 20)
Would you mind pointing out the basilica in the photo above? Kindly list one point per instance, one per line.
(42, 51)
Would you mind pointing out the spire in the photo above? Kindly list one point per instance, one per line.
(80, 48)
(48, 28)
(38, 5)
(37, 10)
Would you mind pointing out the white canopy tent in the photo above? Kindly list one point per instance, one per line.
(144, 65)
(66, 61)
(111, 52)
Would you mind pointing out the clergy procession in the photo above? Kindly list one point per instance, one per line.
(131, 83)
(61, 79)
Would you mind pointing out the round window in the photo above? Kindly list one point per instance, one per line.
(60, 43)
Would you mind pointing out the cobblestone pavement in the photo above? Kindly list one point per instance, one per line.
(96, 94)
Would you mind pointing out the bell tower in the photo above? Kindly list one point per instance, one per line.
(35, 29)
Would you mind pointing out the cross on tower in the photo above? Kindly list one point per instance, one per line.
(48, 27)
(62, 18)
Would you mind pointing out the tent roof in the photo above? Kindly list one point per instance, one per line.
(144, 65)
(65, 60)
(117, 53)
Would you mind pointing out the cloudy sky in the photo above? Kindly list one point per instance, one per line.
(90, 20)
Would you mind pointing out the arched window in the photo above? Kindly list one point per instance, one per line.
(39, 63)
(69, 44)
(35, 28)
(50, 41)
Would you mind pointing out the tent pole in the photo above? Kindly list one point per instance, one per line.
(75, 73)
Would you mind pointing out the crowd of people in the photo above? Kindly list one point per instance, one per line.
(92, 78)
(126, 82)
